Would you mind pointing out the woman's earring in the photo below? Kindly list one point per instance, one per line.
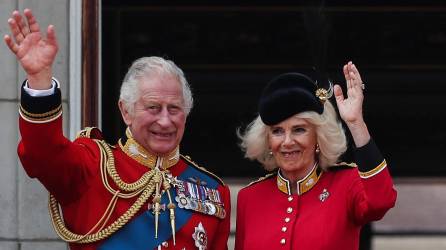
(270, 153)
(318, 150)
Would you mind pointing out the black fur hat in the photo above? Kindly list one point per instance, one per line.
(286, 95)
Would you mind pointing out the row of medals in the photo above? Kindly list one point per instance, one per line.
(198, 198)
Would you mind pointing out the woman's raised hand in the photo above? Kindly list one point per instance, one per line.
(350, 108)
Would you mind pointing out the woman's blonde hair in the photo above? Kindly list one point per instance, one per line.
(329, 131)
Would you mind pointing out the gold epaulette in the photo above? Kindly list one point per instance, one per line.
(351, 164)
(90, 132)
(262, 178)
(189, 160)
(343, 165)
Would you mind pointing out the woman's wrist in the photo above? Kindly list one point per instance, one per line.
(359, 132)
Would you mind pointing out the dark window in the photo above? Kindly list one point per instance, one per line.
(229, 51)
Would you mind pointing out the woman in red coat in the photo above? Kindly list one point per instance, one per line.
(310, 201)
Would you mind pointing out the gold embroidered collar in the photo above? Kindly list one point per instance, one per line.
(303, 185)
(137, 152)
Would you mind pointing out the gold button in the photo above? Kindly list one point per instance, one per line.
(290, 198)
(289, 210)
(284, 229)
(287, 219)
(282, 241)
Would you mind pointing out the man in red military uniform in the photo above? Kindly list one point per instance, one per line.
(138, 194)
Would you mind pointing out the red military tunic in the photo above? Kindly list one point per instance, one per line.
(327, 213)
(71, 172)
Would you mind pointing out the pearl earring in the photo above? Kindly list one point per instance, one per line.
(318, 150)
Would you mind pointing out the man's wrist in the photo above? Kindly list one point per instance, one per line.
(37, 92)
(41, 80)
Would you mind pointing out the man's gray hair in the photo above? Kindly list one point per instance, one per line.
(145, 67)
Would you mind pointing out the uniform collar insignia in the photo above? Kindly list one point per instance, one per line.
(303, 185)
(137, 152)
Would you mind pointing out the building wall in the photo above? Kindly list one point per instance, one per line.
(24, 216)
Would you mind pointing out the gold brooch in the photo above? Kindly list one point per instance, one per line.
(322, 94)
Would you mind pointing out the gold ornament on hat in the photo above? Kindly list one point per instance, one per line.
(324, 94)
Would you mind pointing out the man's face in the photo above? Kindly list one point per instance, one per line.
(158, 120)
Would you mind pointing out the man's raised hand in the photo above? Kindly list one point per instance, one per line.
(35, 53)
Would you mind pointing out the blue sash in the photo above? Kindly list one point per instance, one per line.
(139, 233)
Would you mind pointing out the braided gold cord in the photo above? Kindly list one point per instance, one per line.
(108, 156)
(69, 236)
(103, 220)
(106, 161)
(128, 187)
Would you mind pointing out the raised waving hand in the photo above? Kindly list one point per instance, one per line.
(35, 52)
(350, 107)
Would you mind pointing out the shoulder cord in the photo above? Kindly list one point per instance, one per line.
(145, 186)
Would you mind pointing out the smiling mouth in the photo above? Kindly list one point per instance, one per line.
(290, 154)
(163, 135)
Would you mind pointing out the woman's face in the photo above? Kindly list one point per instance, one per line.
(293, 144)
